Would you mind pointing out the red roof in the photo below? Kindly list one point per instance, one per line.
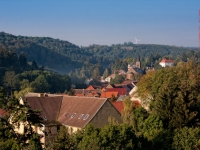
(90, 87)
(166, 61)
(119, 106)
(137, 104)
(108, 94)
(121, 91)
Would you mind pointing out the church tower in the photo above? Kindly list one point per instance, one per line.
(138, 63)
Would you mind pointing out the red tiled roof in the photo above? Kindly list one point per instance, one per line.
(166, 61)
(121, 91)
(108, 94)
(119, 106)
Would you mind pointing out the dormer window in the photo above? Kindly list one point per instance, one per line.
(73, 115)
(86, 117)
(66, 114)
(44, 117)
(80, 116)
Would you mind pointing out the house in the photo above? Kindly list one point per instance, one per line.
(166, 63)
(71, 111)
(112, 76)
(135, 98)
(50, 108)
(77, 112)
(116, 72)
(132, 73)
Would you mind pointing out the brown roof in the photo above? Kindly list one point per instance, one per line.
(79, 106)
(49, 106)
(86, 91)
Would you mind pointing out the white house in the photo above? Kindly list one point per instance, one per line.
(166, 63)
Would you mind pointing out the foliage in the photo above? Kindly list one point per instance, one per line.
(15, 116)
(108, 137)
(186, 139)
(117, 80)
(62, 140)
(173, 94)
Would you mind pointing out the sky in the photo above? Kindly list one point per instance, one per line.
(104, 22)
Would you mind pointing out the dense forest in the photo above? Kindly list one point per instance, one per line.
(64, 56)
(19, 76)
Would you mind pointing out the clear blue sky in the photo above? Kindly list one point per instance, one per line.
(85, 22)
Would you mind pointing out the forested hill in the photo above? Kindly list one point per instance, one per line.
(64, 56)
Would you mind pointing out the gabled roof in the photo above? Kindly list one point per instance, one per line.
(108, 94)
(166, 61)
(92, 87)
(49, 106)
(79, 107)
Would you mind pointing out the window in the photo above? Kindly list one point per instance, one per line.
(80, 116)
(66, 114)
(45, 118)
(86, 117)
(73, 115)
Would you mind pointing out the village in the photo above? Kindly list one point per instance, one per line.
(93, 105)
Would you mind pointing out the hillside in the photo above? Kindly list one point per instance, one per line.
(64, 56)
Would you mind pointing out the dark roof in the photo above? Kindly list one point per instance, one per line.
(78, 106)
(49, 106)
(85, 91)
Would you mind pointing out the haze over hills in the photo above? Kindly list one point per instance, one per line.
(64, 56)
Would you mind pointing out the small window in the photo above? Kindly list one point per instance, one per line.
(66, 114)
(44, 118)
(86, 117)
(80, 116)
(73, 115)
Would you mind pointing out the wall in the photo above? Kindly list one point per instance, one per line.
(107, 110)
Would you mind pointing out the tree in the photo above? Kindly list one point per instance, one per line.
(22, 60)
(15, 115)
(40, 84)
(62, 140)
(105, 74)
(112, 136)
(96, 74)
(186, 138)
(173, 94)
(117, 80)
(11, 81)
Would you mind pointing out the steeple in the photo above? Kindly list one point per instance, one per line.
(138, 63)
